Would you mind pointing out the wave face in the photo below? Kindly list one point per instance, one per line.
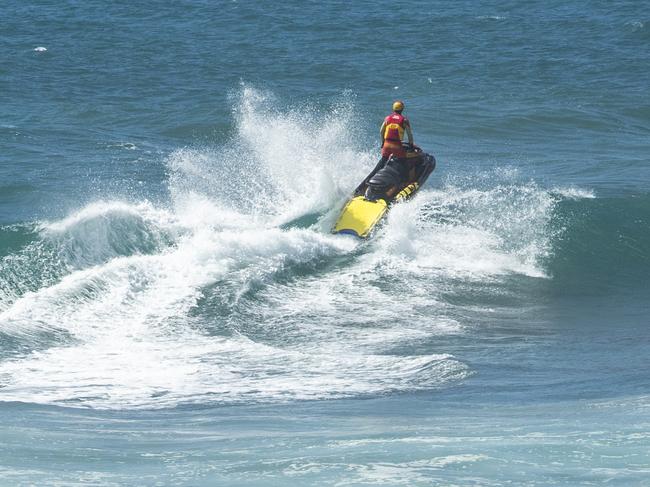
(237, 293)
(604, 246)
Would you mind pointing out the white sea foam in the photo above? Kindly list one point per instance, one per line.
(386, 473)
(303, 162)
(221, 298)
(104, 210)
(491, 17)
(472, 233)
(107, 229)
(636, 25)
(574, 193)
(127, 350)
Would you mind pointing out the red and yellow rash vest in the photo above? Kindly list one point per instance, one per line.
(394, 130)
(393, 134)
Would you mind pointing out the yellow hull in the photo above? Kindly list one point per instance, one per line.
(359, 216)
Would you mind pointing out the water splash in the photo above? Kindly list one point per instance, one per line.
(222, 297)
(279, 165)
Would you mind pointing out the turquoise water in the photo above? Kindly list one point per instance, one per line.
(174, 310)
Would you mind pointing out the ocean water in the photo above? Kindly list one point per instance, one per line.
(174, 310)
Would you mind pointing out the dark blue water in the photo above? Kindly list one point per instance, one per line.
(174, 310)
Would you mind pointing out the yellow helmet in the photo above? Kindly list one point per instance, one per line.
(398, 106)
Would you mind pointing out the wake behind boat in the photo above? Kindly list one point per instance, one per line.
(390, 182)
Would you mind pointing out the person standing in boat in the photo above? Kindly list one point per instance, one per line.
(392, 133)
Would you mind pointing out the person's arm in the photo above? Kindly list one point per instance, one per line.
(381, 132)
(409, 132)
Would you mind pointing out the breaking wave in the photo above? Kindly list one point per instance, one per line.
(236, 292)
